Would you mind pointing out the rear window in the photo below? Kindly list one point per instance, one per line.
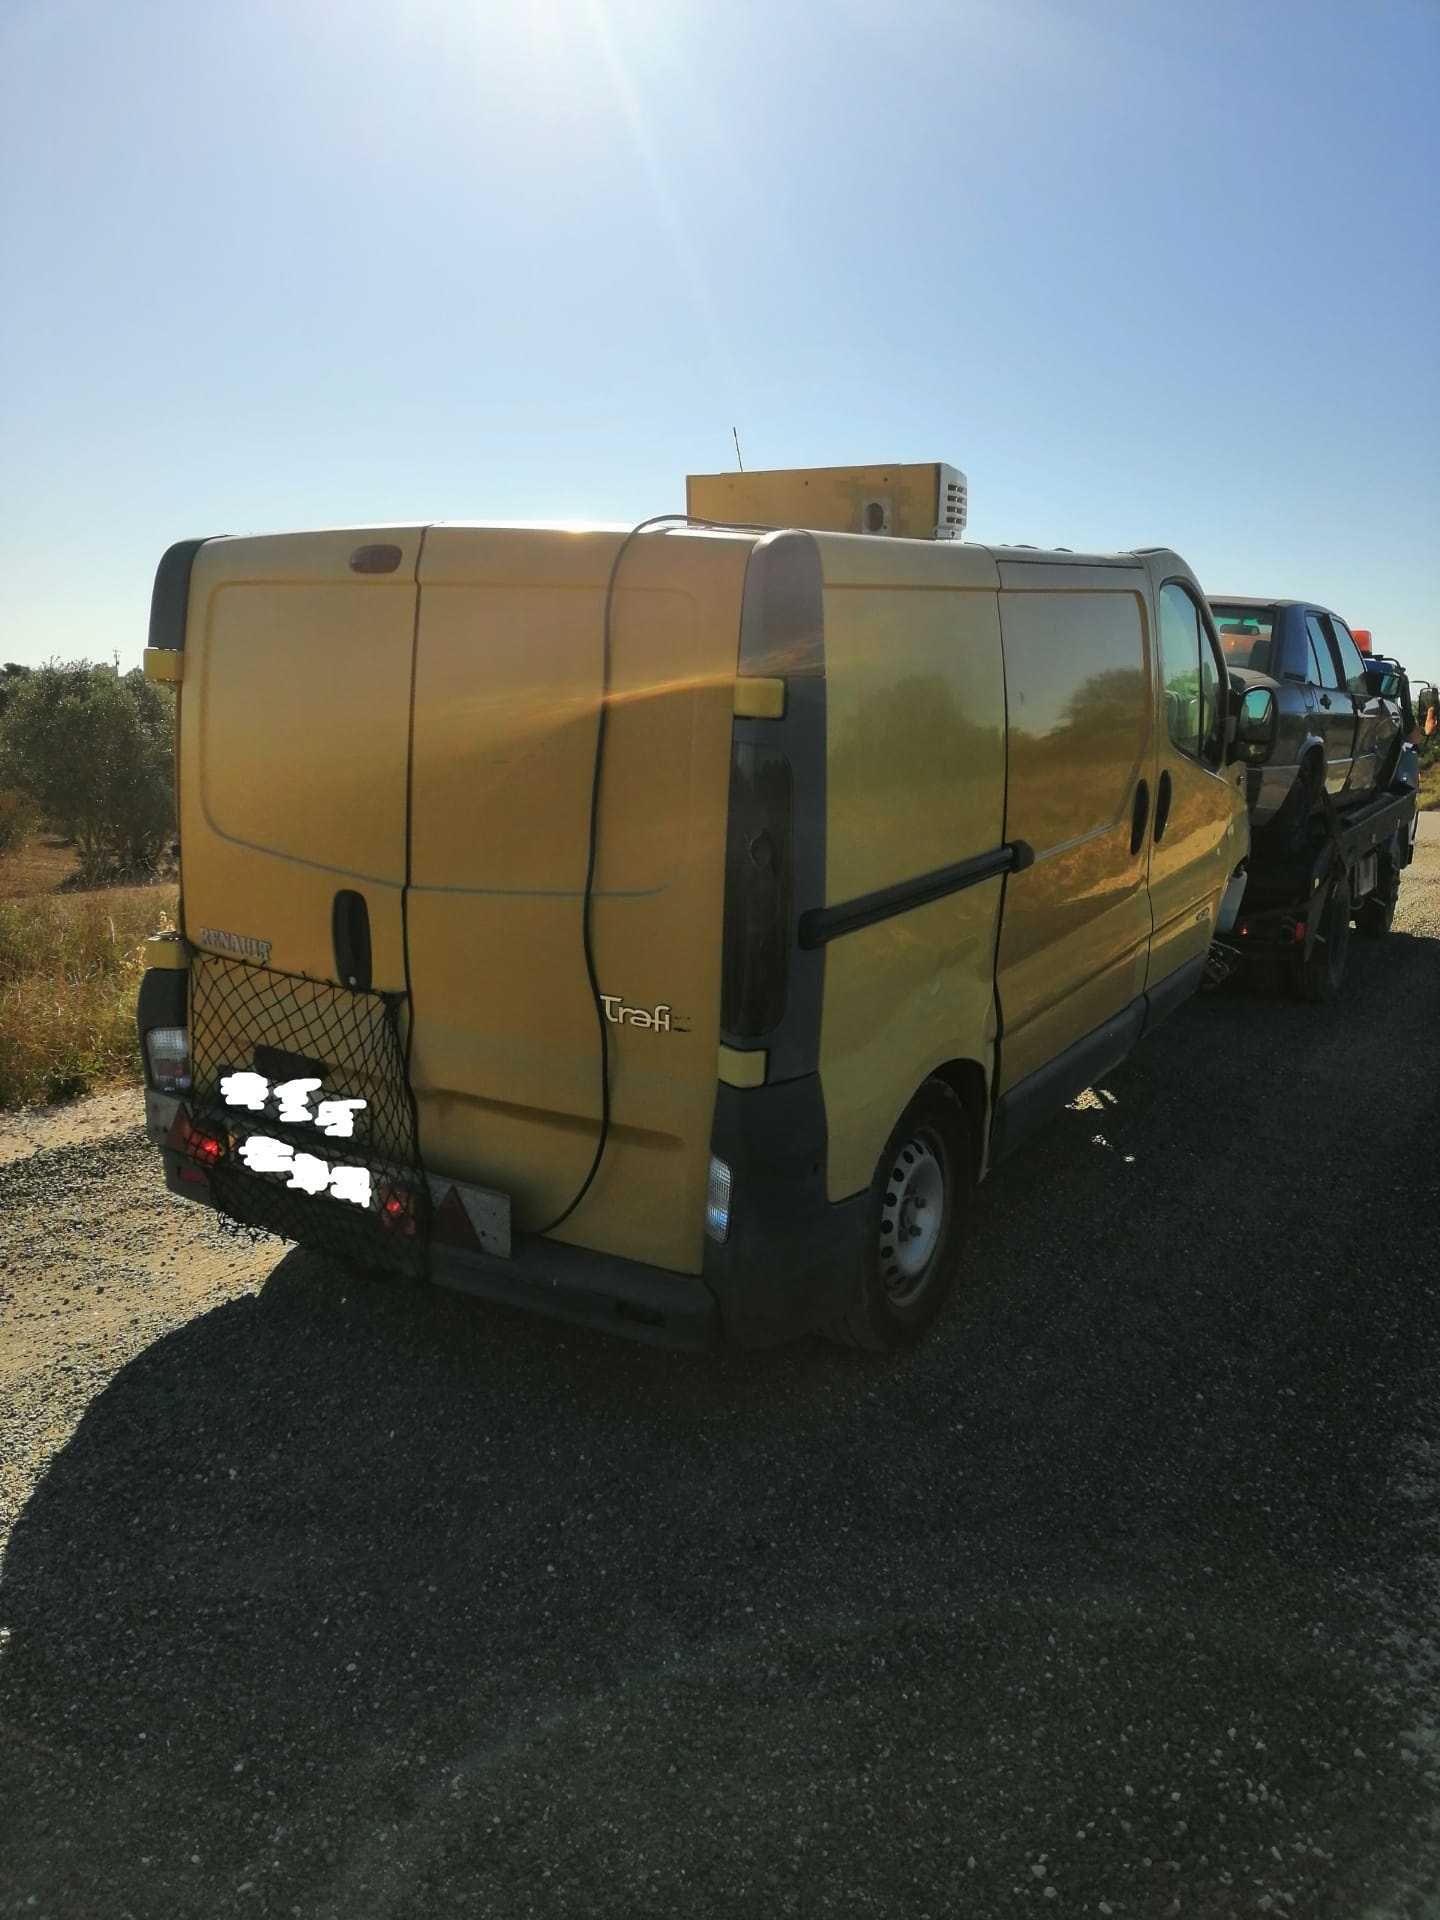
(1247, 635)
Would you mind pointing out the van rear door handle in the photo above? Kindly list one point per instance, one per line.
(1162, 806)
(1139, 817)
(350, 931)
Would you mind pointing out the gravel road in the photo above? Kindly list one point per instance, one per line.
(1121, 1597)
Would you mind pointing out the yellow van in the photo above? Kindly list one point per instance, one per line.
(667, 929)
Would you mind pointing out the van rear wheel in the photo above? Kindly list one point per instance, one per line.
(918, 1211)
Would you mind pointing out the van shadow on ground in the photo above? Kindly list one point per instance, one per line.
(345, 1600)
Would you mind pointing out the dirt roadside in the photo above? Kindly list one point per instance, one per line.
(1120, 1598)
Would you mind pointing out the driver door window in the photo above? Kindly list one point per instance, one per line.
(1350, 660)
(1371, 718)
(1323, 671)
(1332, 713)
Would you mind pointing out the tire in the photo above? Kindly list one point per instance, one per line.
(1289, 833)
(927, 1168)
(1319, 977)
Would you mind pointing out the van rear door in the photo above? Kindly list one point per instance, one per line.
(505, 1060)
(295, 715)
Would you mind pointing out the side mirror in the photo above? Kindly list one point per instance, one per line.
(1383, 682)
(1256, 725)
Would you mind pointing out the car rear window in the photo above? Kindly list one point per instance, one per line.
(1246, 634)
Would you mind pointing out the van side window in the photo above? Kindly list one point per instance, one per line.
(1350, 661)
(1322, 658)
(1078, 697)
(1190, 672)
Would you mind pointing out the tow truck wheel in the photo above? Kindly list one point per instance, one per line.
(1289, 833)
(1318, 977)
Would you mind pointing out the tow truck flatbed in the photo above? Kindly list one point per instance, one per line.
(1302, 908)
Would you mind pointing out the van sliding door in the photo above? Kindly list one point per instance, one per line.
(1076, 932)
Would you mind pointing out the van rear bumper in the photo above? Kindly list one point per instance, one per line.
(593, 1289)
(792, 1261)
(789, 1266)
(544, 1276)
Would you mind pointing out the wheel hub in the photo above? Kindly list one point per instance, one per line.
(912, 1214)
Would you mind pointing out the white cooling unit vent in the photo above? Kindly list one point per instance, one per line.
(953, 504)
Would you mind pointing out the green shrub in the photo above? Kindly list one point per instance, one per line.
(92, 749)
(15, 819)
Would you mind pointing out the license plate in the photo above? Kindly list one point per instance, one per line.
(297, 1103)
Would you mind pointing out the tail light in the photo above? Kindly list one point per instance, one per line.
(397, 1209)
(717, 1200)
(167, 1059)
(200, 1149)
(757, 891)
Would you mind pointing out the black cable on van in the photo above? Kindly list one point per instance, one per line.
(587, 911)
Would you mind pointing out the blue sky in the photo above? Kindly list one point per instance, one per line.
(1148, 273)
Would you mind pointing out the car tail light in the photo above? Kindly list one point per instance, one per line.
(757, 892)
(167, 1057)
(717, 1201)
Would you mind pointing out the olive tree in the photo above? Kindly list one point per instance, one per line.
(92, 749)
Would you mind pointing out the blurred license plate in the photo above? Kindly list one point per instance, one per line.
(295, 1103)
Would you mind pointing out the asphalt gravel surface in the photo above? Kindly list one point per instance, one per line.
(329, 1598)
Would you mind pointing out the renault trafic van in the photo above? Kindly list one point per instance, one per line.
(668, 929)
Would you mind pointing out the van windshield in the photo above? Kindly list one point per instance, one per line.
(1246, 634)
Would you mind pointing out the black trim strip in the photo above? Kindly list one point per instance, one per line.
(822, 924)
(170, 596)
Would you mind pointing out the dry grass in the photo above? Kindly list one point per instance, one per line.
(70, 967)
(1430, 782)
(38, 865)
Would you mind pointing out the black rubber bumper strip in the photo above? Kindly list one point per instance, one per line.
(828, 923)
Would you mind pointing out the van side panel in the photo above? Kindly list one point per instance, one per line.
(915, 772)
(1076, 937)
(505, 1059)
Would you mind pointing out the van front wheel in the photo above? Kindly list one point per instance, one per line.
(918, 1210)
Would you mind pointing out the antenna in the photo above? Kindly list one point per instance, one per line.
(735, 436)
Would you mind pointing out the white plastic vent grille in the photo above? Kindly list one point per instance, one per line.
(953, 506)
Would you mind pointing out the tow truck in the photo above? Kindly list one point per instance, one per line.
(1298, 904)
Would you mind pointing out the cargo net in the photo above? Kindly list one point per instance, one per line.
(301, 1113)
